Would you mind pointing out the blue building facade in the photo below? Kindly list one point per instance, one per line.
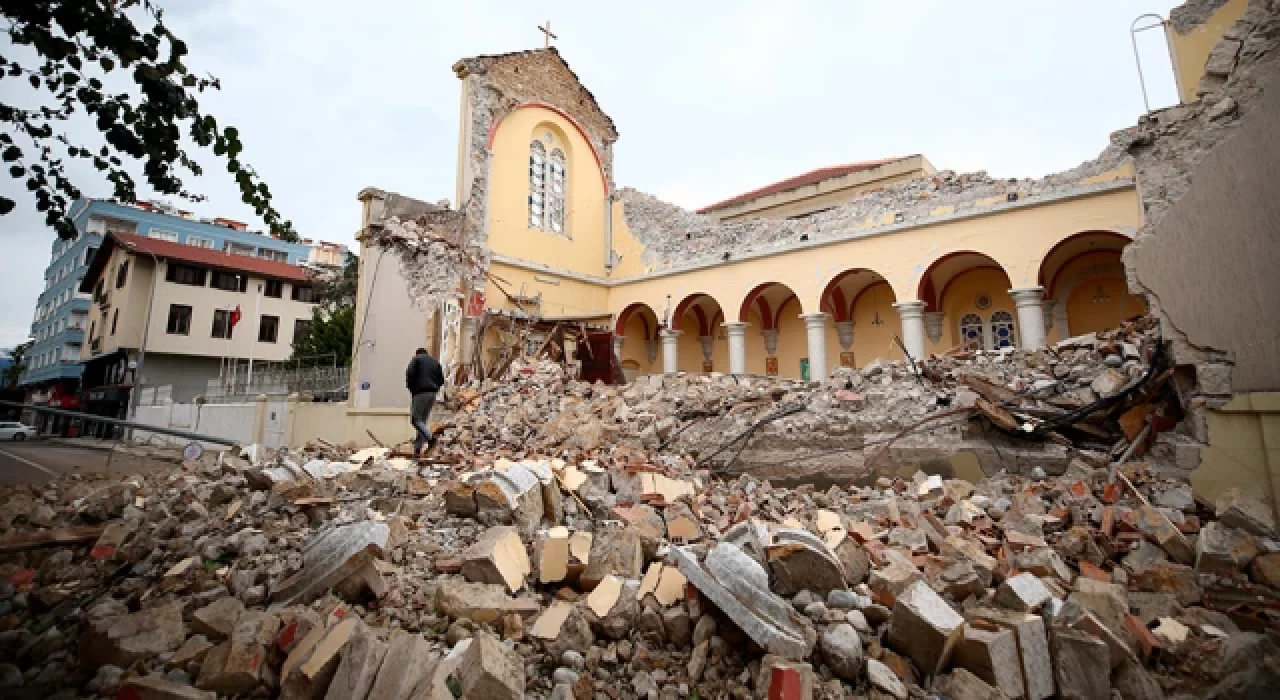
(58, 325)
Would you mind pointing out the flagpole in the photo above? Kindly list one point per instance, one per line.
(253, 342)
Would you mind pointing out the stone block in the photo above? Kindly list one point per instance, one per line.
(1223, 550)
(361, 658)
(739, 586)
(120, 640)
(1222, 60)
(236, 665)
(1024, 593)
(900, 574)
(1157, 527)
(1033, 648)
(1043, 562)
(992, 655)
(309, 668)
(330, 557)
(647, 523)
(964, 685)
(1244, 511)
(854, 560)
(403, 668)
(615, 552)
(1081, 665)
(925, 628)
(217, 619)
(1118, 649)
(1108, 601)
(1168, 577)
(883, 679)
(512, 496)
(489, 671)
(799, 560)
(498, 556)
(481, 602)
(157, 688)
(1265, 570)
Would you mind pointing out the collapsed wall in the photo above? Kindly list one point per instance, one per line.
(674, 236)
(1207, 254)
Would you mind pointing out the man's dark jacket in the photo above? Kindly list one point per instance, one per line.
(424, 374)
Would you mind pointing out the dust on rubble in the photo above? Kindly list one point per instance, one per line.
(583, 541)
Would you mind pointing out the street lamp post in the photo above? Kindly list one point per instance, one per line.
(146, 330)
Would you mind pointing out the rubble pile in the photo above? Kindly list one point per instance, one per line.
(567, 541)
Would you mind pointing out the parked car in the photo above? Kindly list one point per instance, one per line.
(12, 430)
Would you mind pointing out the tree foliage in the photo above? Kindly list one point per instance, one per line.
(339, 289)
(18, 356)
(79, 42)
(330, 331)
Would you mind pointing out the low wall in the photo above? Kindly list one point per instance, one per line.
(278, 422)
(234, 421)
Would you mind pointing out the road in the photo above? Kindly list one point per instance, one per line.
(35, 461)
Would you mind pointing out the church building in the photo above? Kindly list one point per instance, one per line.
(794, 278)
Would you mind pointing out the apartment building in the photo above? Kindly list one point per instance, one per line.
(194, 310)
(59, 324)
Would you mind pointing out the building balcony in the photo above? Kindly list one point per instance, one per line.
(81, 304)
(66, 369)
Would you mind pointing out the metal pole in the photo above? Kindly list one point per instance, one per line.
(253, 342)
(1133, 38)
(132, 412)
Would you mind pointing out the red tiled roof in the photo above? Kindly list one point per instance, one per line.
(791, 183)
(217, 259)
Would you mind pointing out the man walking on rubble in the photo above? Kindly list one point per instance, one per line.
(424, 379)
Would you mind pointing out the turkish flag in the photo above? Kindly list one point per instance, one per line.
(235, 316)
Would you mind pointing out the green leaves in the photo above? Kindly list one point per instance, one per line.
(74, 38)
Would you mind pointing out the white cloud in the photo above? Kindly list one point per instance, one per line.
(711, 98)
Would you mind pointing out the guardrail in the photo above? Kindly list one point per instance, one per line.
(123, 423)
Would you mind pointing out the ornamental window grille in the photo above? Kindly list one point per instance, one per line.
(548, 177)
(971, 331)
(1002, 330)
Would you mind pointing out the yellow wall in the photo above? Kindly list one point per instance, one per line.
(1190, 51)
(581, 249)
(562, 296)
(1084, 315)
(1017, 240)
(634, 348)
(960, 298)
(1244, 449)
(871, 342)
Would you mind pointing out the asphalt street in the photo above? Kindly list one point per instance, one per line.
(35, 461)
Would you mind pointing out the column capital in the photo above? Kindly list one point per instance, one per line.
(910, 309)
(735, 325)
(1027, 295)
(668, 333)
(815, 320)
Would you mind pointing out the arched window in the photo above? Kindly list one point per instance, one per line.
(547, 187)
(971, 331)
(555, 191)
(537, 184)
(1002, 330)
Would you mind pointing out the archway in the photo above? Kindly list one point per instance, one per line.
(702, 343)
(639, 351)
(861, 302)
(1084, 282)
(776, 342)
(967, 301)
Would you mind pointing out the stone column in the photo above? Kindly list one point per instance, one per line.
(1048, 305)
(467, 339)
(737, 332)
(617, 346)
(671, 351)
(708, 345)
(844, 331)
(912, 313)
(651, 350)
(815, 326)
(1030, 316)
(933, 325)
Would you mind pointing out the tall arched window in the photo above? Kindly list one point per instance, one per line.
(555, 191)
(1002, 330)
(547, 187)
(537, 184)
(971, 331)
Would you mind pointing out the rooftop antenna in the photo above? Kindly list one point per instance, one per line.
(1133, 38)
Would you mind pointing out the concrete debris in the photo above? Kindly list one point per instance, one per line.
(551, 549)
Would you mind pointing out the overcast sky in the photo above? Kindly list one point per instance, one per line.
(710, 98)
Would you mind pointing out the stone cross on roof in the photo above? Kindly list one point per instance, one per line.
(549, 36)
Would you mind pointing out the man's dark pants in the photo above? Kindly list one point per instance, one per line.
(419, 410)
